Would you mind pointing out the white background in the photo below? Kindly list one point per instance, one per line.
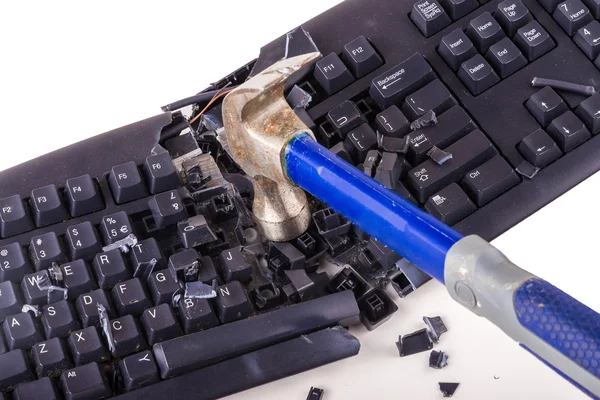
(72, 70)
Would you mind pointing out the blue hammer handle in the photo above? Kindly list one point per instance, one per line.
(559, 330)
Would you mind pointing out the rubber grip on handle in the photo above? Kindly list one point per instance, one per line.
(561, 321)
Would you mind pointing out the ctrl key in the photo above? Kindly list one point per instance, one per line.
(14, 369)
(477, 75)
(86, 382)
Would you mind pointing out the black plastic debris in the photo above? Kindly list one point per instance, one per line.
(382, 253)
(195, 231)
(371, 162)
(31, 308)
(436, 327)
(304, 287)
(145, 269)
(448, 388)
(284, 256)
(376, 308)
(438, 155)
(413, 343)
(184, 266)
(315, 394)
(438, 359)
(330, 223)
(267, 295)
(222, 208)
(408, 279)
(349, 279)
(393, 144)
(427, 119)
(298, 97)
(527, 169)
(54, 293)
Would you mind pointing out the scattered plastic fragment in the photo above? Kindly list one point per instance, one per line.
(298, 97)
(145, 269)
(124, 244)
(393, 144)
(527, 169)
(45, 284)
(438, 155)
(55, 273)
(34, 309)
(496, 377)
(427, 119)
(315, 394)
(200, 290)
(586, 90)
(448, 388)
(176, 297)
(408, 279)
(413, 343)
(436, 327)
(105, 324)
(438, 359)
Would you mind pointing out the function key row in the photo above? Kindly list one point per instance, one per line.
(358, 59)
(508, 41)
(50, 205)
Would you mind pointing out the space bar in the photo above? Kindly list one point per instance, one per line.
(188, 353)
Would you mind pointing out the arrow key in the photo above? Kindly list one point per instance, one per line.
(539, 149)
(588, 39)
(546, 105)
(568, 131)
(589, 112)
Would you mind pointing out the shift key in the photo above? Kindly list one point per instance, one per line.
(396, 83)
(467, 153)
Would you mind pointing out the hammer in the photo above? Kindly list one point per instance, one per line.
(281, 156)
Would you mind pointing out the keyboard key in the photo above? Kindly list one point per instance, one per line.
(13, 217)
(214, 345)
(429, 17)
(539, 149)
(32, 293)
(46, 250)
(345, 117)
(83, 196)
(390, 169)
(126, 183)
(160, 324)
(512, 15)
(588, 39)
(87, 307)
(391, 122)
(138, 370)
(167, 208)
(361, 57)
(589, 112)
(428, 178)
(568, 131)
(332, 74)
(160, 173)
(3, 348)
(232, 302)
(115, 227)
(395, 84)
(533, 40)
(50, 358)
(234, 265)
(82, 241)
(572, 15)
(184, 266)
(77, 279)
(459, 8)
(593, 6)
(14, 264)
(545, 105)
(433, 96)
(59, 320)
(359, 141)
(162, 286)
(14, 369)
(11, 300)
(127, 338)
(85, 382)
(87, 346)
(194, 231)
(340, 150)
(130, 297)
(47, 206)
(505, 57)
(450, 204)
(110, 269)
(549, 5)
(196, 315)
(452, 125)
(40, 389)
(22, 331)
(484, 31)
(489, 180)
(477, 75)
(456, 48)
(145, 253)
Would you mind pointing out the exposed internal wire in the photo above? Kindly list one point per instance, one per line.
(218, 95)
(188, 101)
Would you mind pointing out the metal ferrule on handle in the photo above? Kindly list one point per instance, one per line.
(562, 332)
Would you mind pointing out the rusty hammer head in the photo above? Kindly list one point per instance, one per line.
(259, 123)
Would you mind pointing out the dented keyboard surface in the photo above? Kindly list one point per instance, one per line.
(432, 99)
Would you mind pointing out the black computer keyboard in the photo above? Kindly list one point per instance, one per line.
(100, 240)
